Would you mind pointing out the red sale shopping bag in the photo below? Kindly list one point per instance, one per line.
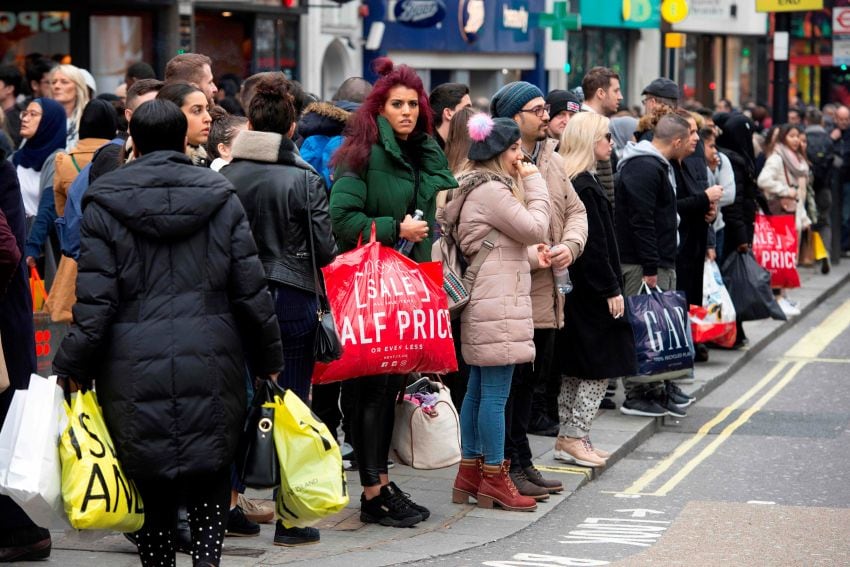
(775, 248)
(391, 314)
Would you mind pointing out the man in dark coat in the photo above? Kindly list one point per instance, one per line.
(20, 539)
(169, 290)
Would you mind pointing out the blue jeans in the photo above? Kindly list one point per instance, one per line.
(482, 415)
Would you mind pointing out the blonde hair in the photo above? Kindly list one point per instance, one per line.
(494, 165)
(578, 141)
(82, 99)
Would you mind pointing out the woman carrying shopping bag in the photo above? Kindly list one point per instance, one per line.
(598, 338)
(388, 167)
(269, 174)
(783, 181)
(169, 290)
(497, 329)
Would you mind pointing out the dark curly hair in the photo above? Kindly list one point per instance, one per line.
(272, 108)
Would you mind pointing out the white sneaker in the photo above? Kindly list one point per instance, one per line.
(787, 308)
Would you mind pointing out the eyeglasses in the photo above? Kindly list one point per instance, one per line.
(647, 99)
(608, 136)
(538, 110)
(26, 113)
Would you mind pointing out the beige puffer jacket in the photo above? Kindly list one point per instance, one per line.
(497, 326)
(568, 225)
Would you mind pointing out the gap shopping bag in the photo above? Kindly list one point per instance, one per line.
(663, 342)
(749, 286)
(29, 452)
(714, 321)
(391, 314)
(775, 248)
(97, 493)
(312, 478)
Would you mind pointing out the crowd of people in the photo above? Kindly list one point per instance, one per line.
(178, 224)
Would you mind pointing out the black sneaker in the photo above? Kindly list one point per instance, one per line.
(240, 526)
(389, 508)
(646, 407)
(423, 511)
(607, 403)
(292, 537)
(672, 408)
(679, 397)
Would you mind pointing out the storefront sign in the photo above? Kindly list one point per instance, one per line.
(36, 22)
(840, 51)
(470, 18)
(515, 19)
(419, 13)
(719, 17)
(788, 5)
(622, 14)
(674, 11)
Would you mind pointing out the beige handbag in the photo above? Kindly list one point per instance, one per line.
(427, 439)
(4, 372)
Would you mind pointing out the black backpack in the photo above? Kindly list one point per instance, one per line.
(820, 152)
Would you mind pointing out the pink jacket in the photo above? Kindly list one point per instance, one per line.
(497, 327)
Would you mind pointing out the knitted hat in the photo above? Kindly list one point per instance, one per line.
(560, 100)
(490, 137)
(511, 98)
(662, 87)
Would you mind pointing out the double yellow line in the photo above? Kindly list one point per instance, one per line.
(806, 350)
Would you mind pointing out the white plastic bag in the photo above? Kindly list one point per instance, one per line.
(30, 473)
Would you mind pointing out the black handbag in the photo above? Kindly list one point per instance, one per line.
(256, 458)
(326, 345)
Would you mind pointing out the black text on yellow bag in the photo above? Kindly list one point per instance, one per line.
(96, 492)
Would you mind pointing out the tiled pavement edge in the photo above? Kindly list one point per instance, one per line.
(451, 528)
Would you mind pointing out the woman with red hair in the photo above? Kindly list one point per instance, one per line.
(387, 168)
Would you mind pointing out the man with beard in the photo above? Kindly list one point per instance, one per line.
(524, 103)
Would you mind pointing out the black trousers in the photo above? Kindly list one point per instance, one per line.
(372, 422)
(332, 408)
(518, 409)
(545, 400)
(207, 499)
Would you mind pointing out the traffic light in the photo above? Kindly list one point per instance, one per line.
(567, 67)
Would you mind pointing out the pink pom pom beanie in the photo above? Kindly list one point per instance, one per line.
(501, 135)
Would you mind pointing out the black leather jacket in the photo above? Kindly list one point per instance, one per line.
(273, 181)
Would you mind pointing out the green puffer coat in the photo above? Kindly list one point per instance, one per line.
(384, 191)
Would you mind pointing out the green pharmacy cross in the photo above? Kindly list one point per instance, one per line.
(560, 20)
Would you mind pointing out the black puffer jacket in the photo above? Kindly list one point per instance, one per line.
(169, 289)
(272, 181)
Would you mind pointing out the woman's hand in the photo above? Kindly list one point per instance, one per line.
(711, 254)
(792, 193)
(543, 256)
(616, 306)
(526, 169)
(413, 230)
(30, 261)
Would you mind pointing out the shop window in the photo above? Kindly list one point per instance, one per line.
(124, 34)
(276, 45)
(22, 33)
(225, 37)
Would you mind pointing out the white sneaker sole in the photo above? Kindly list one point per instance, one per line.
(565, 457)
(630, 411)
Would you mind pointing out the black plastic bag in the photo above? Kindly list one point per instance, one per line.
(256, 458)
(749, 286)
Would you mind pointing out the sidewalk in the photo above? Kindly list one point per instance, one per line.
(346, 542)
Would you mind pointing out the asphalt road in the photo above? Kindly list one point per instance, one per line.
(757, 474)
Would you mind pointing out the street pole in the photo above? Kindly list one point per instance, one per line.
(781, 78)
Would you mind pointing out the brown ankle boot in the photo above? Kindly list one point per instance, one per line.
(526, 487)
(468, 480)
(497, 488)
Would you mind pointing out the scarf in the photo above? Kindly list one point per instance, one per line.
(49, 136)
(793, 162)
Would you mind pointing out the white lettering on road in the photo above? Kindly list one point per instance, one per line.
(537, 560)
(640, 512)
(621, 531)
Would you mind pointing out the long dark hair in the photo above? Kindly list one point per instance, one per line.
(362, 128)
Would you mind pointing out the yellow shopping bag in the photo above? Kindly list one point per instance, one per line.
(97, 494)
(312, 478)
(820, 249)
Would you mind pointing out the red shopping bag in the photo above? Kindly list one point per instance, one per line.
(775, 248)
(391, 314)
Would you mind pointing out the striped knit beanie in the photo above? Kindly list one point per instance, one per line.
(510, 99)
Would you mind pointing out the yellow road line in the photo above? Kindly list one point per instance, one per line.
(686, 446)
(817, 359)
(565, 470)
(728, 431)
(812, 344)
